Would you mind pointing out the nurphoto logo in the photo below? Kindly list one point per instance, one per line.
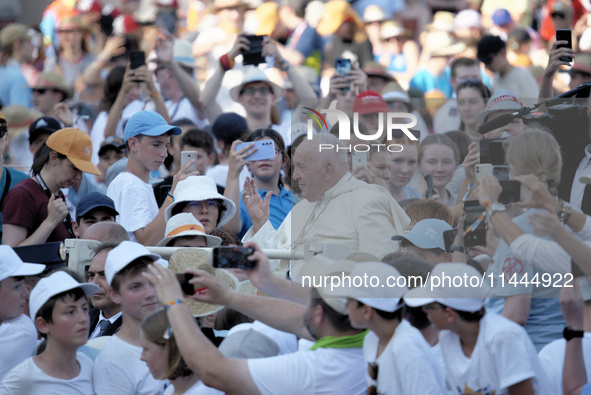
(392, 126)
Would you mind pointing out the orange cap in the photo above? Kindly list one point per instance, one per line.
(76, 146)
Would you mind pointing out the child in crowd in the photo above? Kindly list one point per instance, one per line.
(60, 308)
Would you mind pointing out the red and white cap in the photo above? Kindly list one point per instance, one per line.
(167, 3)
(369, 102)
(502, 100)
(125, 24)
(88, 6)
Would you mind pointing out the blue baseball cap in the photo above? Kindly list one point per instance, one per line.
(148, 123)
(426, 234)
(95, 200)
(501, 17)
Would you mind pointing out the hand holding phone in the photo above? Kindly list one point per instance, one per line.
(187, 156)
(254, 55)
(564, 35)
(265, 150)
(430, 190)
(343, 67)
(233, 257)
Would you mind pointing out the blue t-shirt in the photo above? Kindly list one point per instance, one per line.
(586, 389)
(411, 193)
(545, 322)
(310, 45)
(15, 177)
(279, 207)
(14, 88)
(424, 81)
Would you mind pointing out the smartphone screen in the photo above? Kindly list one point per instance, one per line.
(233, 257)
(136, 59)
(501, 173)
(183, 279)
(477, 236)
(254, 54)
(564, 35)
(343, 66)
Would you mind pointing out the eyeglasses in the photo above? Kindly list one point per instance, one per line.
(372, 371)
(42, 91)
(263, 90)
(469, 81)
(210, 204)
(558, 15)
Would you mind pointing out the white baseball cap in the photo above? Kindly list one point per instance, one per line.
(53, 285)
(11, 264)
(122, 255)
(185, 224)
(463, 292)
(385, 295)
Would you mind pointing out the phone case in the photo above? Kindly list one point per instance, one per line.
(187, 156)
(265, 150)
(359, 159)
(483, 169)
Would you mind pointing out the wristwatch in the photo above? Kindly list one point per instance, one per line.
(456, 247)
(571, 333)
(493, 207)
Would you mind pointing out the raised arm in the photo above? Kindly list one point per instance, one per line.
(232, 191)
(554, 64)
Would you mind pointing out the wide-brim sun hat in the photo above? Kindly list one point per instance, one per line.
(185, 224)
(184, 259)
(255, 74)
(197, 189)
(50, 80)
(442, 44)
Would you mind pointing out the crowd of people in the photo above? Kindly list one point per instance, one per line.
(282, 126)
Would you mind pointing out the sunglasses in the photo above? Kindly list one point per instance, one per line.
(469, 81)
(372, 371)
(558, 15)
(42, 91)
(263, 90)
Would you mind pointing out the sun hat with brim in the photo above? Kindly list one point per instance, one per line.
(465, 295)
(11, 264)
(254, 74)
(13, 33)
(56, 284)
(442, 21)
(55, 81)
(334, 14)
(184, 259)
(76, 146)
(197, 189)
(385, 298)
(182, 53)
(374, 69)
(18, 119)
(442, 44)
(392, 29)
(374, 13)
(148, 123)
(317, 268)
(502, 100)
(185, 224)
(426, 234)
(122, 255)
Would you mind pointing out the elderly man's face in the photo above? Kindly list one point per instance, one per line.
(309, 169)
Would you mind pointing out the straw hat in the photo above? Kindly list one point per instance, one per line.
(52, 81)
(185, 224)
(18, 119)
(392, 29)
(442, 44)
(198, 259)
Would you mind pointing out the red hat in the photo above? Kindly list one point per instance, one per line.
(111, 10)
(125, 24)
(368, 102)
(89, 6)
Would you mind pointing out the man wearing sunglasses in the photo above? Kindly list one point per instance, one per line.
(49, 90)
(520, 81)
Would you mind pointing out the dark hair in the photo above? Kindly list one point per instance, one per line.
(260, 134)
(42, 157)
(3, 126)
(155, 326)
(228, 238)
(428, 208)
(298, 6)
(174, 240)
(461, 62)
(405, 243)
(183, 122)
(339, 321)
(479, 86)
(471, 317)
(198, 138)
(112, 86)
(462, 142)
(181, 206)
(135, 267)
(387, 315)
(228, 318)
(46, 311)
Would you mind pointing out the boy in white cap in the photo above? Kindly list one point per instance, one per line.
(394, 347)
(483, 352)
(59, 306)
(18, 337)
(118, 368)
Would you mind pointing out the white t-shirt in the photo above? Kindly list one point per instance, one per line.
(119, 370)
(552, 360)
(503, 356)
(197, 389)
(18, 341)
(322, 371)
(407, 365)
(28, 379)
(185, 110)
(134, 200)
(219, 173)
